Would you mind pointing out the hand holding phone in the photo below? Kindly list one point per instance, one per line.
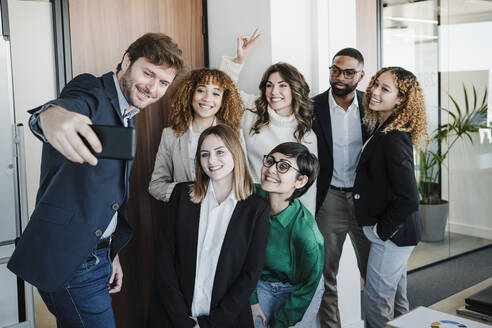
(118, 142)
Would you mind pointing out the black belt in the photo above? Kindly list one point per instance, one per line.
(104, 243)
(344, 189)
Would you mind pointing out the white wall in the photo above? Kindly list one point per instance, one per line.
(34, 76)
(341, 25)
(293, 42)
(31, 26)
(229, 19)
(305, 34)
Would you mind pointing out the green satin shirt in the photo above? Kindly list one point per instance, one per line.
(294, 254)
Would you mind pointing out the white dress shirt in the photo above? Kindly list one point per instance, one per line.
(214, 220)
(347, 142)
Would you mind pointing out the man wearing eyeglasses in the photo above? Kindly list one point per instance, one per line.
(340, 133)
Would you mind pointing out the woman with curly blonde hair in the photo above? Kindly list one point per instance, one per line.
(205, 97)
(283, 112)
(385, 190)
(410, 116)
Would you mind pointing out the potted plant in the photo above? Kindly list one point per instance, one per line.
(462, 123)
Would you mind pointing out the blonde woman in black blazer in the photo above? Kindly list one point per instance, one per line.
(212, 244)
(385, 191)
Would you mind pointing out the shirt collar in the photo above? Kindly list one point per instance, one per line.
(124, 105)
(288, 214)
(211, 193)
(333, 103)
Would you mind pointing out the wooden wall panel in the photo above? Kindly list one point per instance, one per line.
(101, 30)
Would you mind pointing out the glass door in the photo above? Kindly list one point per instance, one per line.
(446, 43)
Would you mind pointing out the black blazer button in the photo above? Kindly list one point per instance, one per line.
(356, 196)
(98, 233)
(115, 207)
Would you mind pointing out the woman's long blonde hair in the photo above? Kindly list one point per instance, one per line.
(410, 115)
(242, 182)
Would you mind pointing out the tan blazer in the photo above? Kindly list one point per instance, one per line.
(172, 164)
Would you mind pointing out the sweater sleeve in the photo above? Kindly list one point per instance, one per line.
(233, 70)
(161, 183)
(310, 267)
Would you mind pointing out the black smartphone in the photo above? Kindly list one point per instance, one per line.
(118, 142)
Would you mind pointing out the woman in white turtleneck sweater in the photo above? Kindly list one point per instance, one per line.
(282, 113)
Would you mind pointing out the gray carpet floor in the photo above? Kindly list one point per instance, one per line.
(436, 282)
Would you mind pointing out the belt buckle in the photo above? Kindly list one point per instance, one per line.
(105, 243)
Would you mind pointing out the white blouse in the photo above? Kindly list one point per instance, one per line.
(214, 220)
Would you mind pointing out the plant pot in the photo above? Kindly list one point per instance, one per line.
(434, 218)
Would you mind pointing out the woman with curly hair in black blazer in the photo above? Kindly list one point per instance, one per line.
(385, 191)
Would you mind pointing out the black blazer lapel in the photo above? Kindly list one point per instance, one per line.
(190, 229)
(368, 149)
(324, 121)
(229, 240)
(376, 137)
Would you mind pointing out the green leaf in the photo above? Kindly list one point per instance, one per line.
(484, 100)
(458, 110)
(467, 107)
(474, 97)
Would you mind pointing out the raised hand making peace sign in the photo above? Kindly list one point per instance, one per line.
(244, 45)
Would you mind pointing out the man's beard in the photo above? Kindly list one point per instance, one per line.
(342, 93)
(126, 85)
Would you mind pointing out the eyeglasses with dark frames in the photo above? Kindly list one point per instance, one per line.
(282, 165)
(347, 73)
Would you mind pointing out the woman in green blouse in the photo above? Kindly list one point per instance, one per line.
(290, 288)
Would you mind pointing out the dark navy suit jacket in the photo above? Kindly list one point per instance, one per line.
(75, 202)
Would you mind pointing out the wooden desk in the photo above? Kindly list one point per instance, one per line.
(453, 302)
